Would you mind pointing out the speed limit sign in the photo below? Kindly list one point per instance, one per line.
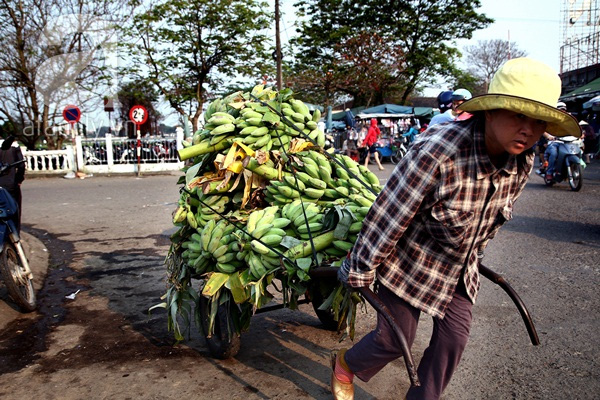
(138, 115)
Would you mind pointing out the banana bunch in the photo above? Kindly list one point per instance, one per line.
(260, 250)
(254, 131)
(306, 219)
(193, 255)
(209, 207)
(218, 243)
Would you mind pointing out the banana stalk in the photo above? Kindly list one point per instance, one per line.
(202, 148)
(263, 170)
(304, 249)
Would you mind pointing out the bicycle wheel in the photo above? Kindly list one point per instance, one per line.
(575, 177)
(18, 284)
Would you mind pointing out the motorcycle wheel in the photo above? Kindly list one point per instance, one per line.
(223, 343)
(575, 177)
(397, 156)
(18, 285)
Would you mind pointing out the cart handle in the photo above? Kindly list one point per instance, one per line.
(378, 305)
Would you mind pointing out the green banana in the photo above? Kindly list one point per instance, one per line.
(261, 230)
(355, 227)
(271, 239)
(294, 183)
(313, 227)
(260, 131)
(280, 222)
(314, 193)
(220, 251)
(342, 245)
(316, 115)
(222, 129)
(288, 192)
(225, 268)
(317, 183)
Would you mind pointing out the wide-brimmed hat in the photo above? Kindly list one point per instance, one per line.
(528, 87)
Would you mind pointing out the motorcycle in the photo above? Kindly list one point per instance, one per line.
(398, 149)
(568, 163)
(14, 267)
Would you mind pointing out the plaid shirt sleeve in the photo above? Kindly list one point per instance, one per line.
(392, 212)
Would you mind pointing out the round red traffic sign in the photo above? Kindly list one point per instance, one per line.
(138, 114)
(71, 114)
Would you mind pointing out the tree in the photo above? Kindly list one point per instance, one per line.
(364, 70)
(420, 30)
(466, 80)
(138, 93)
(189, 47)
(487, 56)
(52, 53)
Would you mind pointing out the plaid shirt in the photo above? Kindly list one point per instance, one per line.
(442, 204)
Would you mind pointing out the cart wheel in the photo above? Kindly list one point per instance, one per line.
(224, 343)
(316, 297)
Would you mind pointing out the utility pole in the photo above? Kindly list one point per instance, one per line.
(278, 46)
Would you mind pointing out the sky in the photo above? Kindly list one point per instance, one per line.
(534, 26)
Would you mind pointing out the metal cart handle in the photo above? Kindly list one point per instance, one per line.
(378, 305)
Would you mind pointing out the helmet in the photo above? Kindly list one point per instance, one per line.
(444, 101)
(461, 94)
(561, 106)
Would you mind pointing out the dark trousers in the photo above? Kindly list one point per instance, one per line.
(440, 359)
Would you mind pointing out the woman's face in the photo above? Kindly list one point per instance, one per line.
(510, 132)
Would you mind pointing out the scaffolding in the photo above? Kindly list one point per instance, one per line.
(581, 34)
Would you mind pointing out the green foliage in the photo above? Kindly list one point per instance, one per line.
(415, 32)
(189, 45)
(138, 92)
(466, 80)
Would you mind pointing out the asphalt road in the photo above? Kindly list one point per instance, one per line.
(107, 238)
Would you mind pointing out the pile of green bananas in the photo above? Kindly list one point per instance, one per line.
(260, 198)
(256, 124)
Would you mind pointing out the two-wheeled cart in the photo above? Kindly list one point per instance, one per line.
(224, 343)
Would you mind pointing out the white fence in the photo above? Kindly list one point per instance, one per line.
(108, 155)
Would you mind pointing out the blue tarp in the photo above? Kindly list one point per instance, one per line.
(388, 109)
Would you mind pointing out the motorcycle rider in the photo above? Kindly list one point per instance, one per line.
(551, 152)
(12, 180)
(444, 100)
(457, 97)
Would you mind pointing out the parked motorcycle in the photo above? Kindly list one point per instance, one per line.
(568, 163)
(14, 267)
(398, 149)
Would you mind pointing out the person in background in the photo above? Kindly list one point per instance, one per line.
(349, 119)
(551, 152)
(458, 97)
(412, 132)
(12, 180)
(350, 144)
(590, 141)
(425, 234)
(370, 143)
(542, 145)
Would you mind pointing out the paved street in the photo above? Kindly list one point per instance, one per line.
(107, 237)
